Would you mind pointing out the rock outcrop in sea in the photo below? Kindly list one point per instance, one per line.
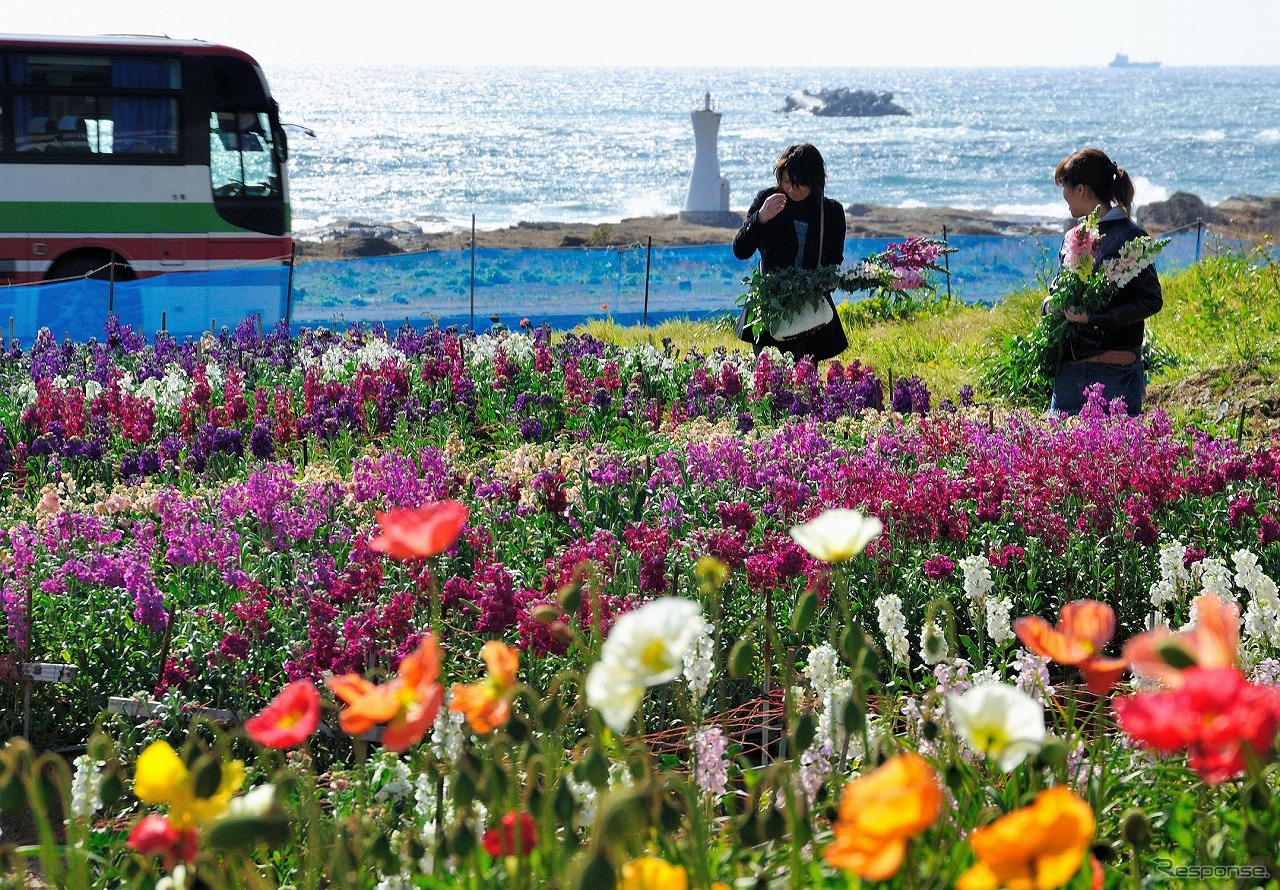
(844, 102)
(1244, 215)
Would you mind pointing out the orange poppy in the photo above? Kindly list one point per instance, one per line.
(412, 533)
(880, 812)
(1084, 628)
(1039, 847)
(407, 704)
(289, 719)
(1163, 654)
(487, 704)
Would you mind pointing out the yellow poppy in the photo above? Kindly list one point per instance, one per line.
(1039, 847)
(162, 779)
(652, 873)
(880, 812)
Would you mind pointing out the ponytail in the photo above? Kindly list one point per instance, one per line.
(1091, 166)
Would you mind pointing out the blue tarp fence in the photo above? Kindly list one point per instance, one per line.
(562, 287)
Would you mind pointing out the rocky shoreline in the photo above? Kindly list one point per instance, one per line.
(1245, 217)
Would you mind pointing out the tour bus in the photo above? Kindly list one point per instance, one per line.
(126, 157)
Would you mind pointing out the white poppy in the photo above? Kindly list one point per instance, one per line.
(836, 535)
(998, 721)
(646, 647)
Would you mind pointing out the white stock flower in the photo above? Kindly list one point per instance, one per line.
(894, 626)
(646, 647)
(699, 663)
(446, 736)
(1215, 578)
(977, 577)
(998, 721)
(823, 664)
(836, 535)
(998, 625)
(86, 787)
(1174, 577)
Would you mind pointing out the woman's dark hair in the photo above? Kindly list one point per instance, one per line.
(803, 165)
(1092, 167)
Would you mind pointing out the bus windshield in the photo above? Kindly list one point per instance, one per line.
(242, 155)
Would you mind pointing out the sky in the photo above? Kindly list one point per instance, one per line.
(823, 33)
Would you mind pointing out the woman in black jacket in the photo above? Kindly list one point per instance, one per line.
(1105, 346)
(784, 225)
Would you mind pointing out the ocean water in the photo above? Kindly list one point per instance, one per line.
(437, 145)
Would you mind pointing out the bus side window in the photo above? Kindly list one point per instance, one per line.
(39, 134)
(74, 134)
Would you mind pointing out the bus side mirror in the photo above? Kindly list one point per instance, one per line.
(282, 145)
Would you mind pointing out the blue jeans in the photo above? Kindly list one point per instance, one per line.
(1118, 381)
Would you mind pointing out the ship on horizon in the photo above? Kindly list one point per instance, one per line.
(1122, 61)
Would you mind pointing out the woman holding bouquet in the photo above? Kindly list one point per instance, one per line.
(794, 225)
(1103, 345)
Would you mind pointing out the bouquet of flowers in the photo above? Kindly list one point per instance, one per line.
(774, 298)
(1084, 284)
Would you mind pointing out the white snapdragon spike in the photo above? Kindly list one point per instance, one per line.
(699, 663)
(823, 664)
(1262, 615)
(977, 578)
(837, 535)
(86, 787)
(830, 725)
(1174, 578)
(998, 721)
(645, 647)
(214, 374)
(26, 393)
(393, 776)
(999, 628)
(446, 736)
(645, 359)
(894, 627)
(1215, 578)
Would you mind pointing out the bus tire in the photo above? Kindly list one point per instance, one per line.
(95, 264)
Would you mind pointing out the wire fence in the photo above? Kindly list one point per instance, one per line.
(479, 288)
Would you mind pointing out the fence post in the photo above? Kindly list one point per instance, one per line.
(946, 261)
(648, 260)
(473, 273)
(111, 287)
(1199, 236)
(288, 296)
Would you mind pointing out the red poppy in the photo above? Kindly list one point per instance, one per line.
(409, 533)
(289, 719)
(1215, 715)
(516, 835)
(1084, 628)
(156, 835)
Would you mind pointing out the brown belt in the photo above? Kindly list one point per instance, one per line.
(1120, 357)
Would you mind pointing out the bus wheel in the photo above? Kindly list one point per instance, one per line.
(89, 265)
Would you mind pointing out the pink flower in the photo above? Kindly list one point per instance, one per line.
(1081, 247)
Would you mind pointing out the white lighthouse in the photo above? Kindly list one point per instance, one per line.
(708, 198)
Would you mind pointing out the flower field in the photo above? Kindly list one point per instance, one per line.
(414, 609)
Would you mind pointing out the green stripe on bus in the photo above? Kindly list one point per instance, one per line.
(51, 217)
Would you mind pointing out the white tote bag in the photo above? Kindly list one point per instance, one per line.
(815, 314)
